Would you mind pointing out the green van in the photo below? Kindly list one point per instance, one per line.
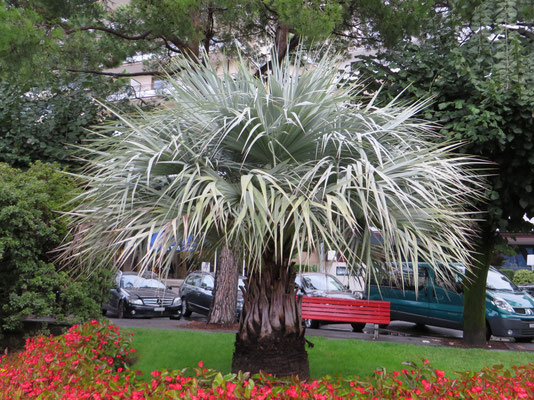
(439, 301)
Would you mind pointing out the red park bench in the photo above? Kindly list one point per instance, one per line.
(346, 310)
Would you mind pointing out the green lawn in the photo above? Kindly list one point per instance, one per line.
(175, 349)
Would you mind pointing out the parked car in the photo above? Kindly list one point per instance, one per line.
(196, 293)
(316, 284)
(439, 301)
(142, 296)
(529, 288)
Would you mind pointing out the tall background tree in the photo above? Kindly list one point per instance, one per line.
(45, 121)
(278, 164)
(58, 49)
(87, 36)
(480, 74)
(223, 308)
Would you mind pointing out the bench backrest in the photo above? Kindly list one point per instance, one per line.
(345, 310)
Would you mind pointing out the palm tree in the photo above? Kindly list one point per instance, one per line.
(274, 166)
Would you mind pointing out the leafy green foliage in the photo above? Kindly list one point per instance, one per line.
(314, 19)
(509, 273)
(483, 94)
(23, 41)
(44, 123)
(31, 227)
(523, 277)
(87, 35)
(480, 77)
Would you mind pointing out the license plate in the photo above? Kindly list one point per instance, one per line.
(531, 325)
(159, 309)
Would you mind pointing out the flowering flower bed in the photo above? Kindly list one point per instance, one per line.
(91, 362)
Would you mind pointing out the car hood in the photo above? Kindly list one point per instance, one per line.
(515, 299)
(149, 292)
(333, 294)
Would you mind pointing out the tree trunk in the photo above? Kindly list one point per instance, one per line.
(271, 335)
(475, 292)
(224, 303)
(283, 47)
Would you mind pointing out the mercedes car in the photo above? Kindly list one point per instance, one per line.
(145, 296)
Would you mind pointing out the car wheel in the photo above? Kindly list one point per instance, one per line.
(186, 312)
(357, 326)
(311, 323)
(523, 339)
(121, 311)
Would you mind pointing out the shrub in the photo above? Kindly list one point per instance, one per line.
(30, 228)
(509, 273)
(91, 362)
(523, 277)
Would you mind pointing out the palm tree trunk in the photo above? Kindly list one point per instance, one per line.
(271, 335)
(224, 303)
(475, 292)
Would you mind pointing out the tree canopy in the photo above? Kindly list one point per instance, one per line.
(51, 50)
(481, 78)
(482, 85)
(43, 36)
(43, 123)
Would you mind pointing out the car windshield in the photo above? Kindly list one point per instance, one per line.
(497, 281)
(138, 282)
(322, 282)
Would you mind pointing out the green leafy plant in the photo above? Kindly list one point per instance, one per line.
(46, 37)
(523, 277)
(45, 122)
(30, 228)
(509, 273)
(481, 77)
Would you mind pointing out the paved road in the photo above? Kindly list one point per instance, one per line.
(397, 332)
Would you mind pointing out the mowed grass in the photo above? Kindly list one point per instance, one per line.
(159, 349)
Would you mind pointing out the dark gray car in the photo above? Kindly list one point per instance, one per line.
(142, 296)
(196, 293)
(316, 284)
